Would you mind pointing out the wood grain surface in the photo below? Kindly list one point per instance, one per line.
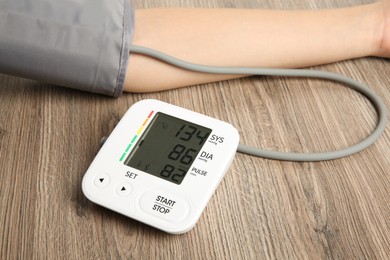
(263, 209)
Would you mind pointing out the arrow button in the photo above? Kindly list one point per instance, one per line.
(124, 189)
(102, 180)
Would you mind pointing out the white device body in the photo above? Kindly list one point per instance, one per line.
(171, 207)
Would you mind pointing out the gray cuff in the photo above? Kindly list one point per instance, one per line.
(81, 44)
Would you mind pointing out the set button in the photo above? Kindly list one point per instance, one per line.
(122, 189)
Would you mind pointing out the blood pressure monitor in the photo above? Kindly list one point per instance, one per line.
(161, 164)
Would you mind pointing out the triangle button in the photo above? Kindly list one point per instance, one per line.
(123, 189)
(101, 181)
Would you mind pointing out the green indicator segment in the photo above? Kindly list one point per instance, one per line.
(128, 148)
(131, 144)
(123, 156)
(135, 138)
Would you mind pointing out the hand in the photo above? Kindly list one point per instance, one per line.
(384, 37)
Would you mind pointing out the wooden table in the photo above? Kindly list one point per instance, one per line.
(263, 209)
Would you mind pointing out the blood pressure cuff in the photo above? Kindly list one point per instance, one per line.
(81, 44)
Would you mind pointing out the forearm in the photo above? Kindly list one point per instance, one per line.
(241, 37)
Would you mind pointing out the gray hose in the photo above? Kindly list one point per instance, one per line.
(304, 157)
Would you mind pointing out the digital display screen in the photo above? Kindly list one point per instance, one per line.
(168, 147)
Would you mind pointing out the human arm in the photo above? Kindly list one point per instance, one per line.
(251, 38)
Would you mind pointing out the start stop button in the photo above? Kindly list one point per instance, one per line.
(164, 205)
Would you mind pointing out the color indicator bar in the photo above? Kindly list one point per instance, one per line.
(136, 136)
